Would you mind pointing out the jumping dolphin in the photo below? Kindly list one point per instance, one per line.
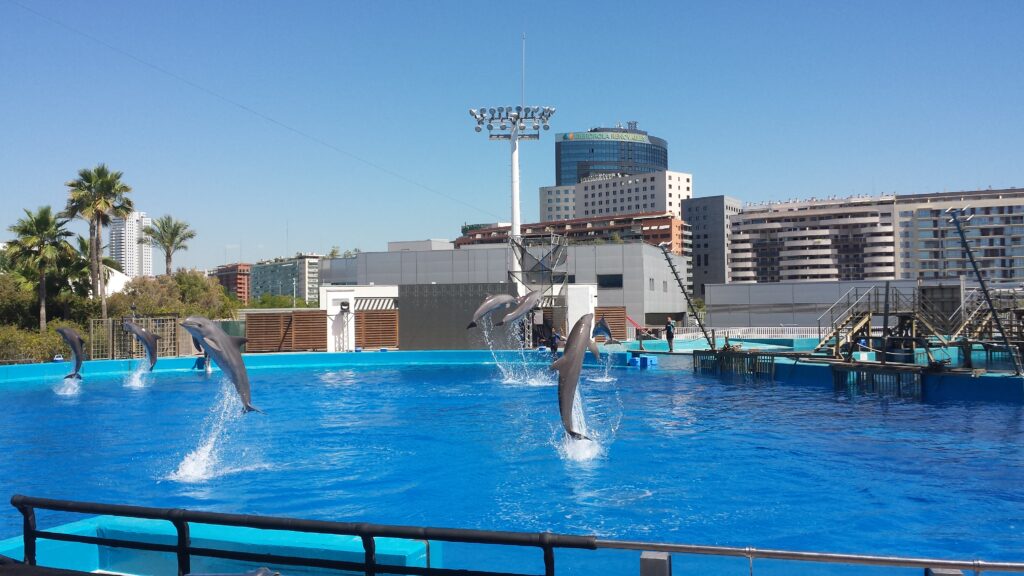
(602, 329)
(75, 342)
(523, 305)
(490, 304)
(226, 352)
(146, 338)
(569, 367)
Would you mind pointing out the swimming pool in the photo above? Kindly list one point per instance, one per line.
(679, 457)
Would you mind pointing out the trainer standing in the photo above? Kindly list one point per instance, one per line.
(670, 333)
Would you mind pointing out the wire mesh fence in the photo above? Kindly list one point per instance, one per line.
(108, 340)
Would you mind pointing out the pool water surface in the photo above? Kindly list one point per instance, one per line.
(678, 457)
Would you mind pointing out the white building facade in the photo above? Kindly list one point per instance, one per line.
(128, 247)
(617, 195)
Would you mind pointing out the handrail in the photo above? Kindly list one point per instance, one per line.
(368, 532)
(836, 303)
(960, 309)
(895, 561)
(850, 308)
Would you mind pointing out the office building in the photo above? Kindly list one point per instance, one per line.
(235, 279)
(618, 195)
(708, 220)
(580, 155)
(557, 203)
(129, 247)
(298, 277)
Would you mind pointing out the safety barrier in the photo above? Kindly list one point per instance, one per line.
(184, 550)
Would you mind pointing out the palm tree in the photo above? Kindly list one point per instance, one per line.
(97, 196)
(41, 241)
(169, 235)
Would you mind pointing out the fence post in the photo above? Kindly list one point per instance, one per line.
(184, 542)
(28, 528)
(656, 564)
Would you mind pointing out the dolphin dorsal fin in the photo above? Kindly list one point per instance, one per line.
(593, 349)
(238, 340)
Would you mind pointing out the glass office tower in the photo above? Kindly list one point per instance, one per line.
(607, 151)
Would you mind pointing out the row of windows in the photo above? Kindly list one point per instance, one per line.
(634, 207)
(616, 200)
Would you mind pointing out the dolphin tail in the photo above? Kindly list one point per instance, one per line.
(250, 408)
(74, 375)
(577, 435)
(471, 325)
(611, 342)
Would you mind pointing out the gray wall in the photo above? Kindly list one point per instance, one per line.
(778, 303)
(638, 263)
(434, 316)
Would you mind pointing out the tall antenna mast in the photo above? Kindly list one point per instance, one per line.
(523, 83)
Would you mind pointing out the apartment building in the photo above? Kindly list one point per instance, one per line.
(129, 247)
(651, 228)
(298, 276)
(708, 222)
(814, 240)
(928, 244)
(235, 279)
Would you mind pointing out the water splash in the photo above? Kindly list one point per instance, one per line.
(68, 387)
(210, 460)
(522, 369)
(137, 379)
(606, 376)
(582, 449)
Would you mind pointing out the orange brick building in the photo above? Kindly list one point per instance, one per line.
(235, 279)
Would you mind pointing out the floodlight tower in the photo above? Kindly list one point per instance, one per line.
(513, 124)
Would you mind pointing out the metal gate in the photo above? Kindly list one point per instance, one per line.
(108, 340)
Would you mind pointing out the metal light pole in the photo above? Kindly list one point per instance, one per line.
(513, 124)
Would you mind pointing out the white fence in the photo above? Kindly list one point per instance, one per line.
(755, 332)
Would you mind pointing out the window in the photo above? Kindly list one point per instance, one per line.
(609, 280)
(664, 285)
(650, 282)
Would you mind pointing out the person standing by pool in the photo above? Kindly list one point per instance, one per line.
(553, 343)
(670, 332)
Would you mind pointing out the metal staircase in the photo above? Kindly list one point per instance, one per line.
(847, 319)
(682, 287)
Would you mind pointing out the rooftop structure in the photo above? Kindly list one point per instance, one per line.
(618, 150)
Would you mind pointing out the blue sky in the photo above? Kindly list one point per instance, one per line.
(273, 127)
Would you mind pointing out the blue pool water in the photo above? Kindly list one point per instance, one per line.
(679, 458)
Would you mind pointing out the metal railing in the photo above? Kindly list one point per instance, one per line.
(546, 541)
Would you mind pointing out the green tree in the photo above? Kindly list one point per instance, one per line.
(182, 294)
(96, 196)
(334, 253)
(40, 242)
(170, 236)
(352, 253)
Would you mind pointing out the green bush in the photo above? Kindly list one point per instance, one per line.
(18, 345)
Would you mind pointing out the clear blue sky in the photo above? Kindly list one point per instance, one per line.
(759, 100)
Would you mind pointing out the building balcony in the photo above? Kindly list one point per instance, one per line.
(881, 249)
(806, 252)
(795, 263)
(807, 233)
(809, 242)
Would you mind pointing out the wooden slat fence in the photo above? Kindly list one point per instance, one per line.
(293, 331)
(377, 329)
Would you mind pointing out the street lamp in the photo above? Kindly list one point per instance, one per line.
(513, 124)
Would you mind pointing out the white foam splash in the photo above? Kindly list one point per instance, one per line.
(582, 449)
(136, 380)
(206, 462)
(68, 387)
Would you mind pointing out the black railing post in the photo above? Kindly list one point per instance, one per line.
(549, 554)
(28, 528)
(184, 542)
(370, 557)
